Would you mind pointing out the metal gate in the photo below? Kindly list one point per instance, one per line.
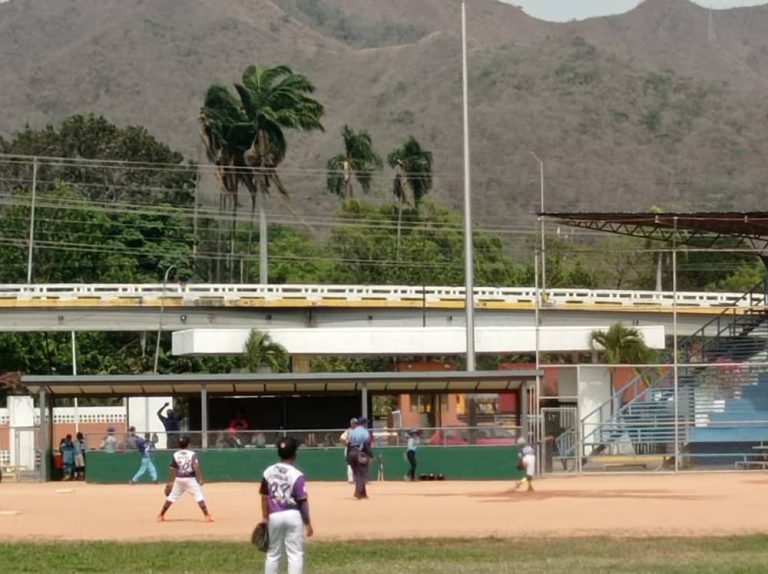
(560, 454)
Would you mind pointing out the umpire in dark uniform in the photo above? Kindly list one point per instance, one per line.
(359, 456)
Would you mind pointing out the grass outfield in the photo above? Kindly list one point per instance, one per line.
(740, 554)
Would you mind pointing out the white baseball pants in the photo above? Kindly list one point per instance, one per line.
(285, 528)
(182, 485)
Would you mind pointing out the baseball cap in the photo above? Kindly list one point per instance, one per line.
(353, 421)
(362, 420)
(521, 440)
(132, 429)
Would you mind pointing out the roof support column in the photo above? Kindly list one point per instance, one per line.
(524, 426)
(44, 446)
(364, 398)
(204, 414)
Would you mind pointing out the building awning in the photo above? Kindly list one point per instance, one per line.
(278, 384)
(703, 229)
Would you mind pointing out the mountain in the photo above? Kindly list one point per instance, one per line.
(663, 105)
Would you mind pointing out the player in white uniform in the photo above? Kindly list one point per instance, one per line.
(285, 507)
(527, 461)
(184, 475)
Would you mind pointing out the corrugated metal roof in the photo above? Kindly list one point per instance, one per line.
(272, 384)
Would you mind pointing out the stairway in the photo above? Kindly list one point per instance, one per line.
(646, 424)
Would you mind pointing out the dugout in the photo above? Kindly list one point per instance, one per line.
(295, 400)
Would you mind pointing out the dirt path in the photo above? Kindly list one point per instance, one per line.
(688, 505)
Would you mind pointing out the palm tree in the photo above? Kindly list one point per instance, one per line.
(358, 160)
(413, 179)
(226, 135)
(261, 351)
(621, 345)
(271, 100)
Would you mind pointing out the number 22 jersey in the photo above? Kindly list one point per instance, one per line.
(283, 485)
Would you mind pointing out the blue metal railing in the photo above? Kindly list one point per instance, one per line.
(709, 342)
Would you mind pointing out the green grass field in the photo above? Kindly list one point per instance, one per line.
(568, 556)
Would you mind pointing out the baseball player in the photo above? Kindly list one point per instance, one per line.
(144, 447)
(184, 475)
(414, 439)
(285, 508)
(527, 462)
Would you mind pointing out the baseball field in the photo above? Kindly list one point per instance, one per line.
(630, 523)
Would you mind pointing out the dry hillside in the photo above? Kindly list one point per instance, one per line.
(660, 105)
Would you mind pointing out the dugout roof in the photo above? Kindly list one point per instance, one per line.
(703, 229)
(278, 384)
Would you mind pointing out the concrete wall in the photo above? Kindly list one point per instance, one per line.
(401, 340)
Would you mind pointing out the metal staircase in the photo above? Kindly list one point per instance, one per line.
(645, 424)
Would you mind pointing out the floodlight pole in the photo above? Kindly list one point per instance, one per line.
(469, 280)
(675, 373)
(469, 283)
(541, 224)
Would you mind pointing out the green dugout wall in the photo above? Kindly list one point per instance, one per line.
(320, 464)
(466, 462)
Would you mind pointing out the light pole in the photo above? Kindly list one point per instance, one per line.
(160, 320)
(469, 280)
(541, 224)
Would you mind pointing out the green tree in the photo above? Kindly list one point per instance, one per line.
(133, 165)
(227, 135)
(622, 345)
(413, 179)
(95, 221)
(359, 161)
(271, 101)
(364, 243)
(261, 351)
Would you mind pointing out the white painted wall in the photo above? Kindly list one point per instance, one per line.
(568, 382)
(400, 340)
(594, 387)
(21, 411)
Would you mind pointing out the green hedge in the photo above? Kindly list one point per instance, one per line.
(323, 464)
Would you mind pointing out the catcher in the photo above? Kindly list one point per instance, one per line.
(285, 511)
(184, 475)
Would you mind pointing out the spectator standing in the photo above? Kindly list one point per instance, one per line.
(237, 426)
(80, 448)
(172, 425)
(285, 508)
(67, 449)
(359, 456)
(109, 442)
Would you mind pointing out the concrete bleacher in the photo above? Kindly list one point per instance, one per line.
(740, 419)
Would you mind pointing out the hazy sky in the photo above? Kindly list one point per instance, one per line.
(564, 10)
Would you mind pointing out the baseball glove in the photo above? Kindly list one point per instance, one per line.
(167, 489)
(260, 536)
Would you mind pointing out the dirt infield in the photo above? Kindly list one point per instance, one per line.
(684, 505)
